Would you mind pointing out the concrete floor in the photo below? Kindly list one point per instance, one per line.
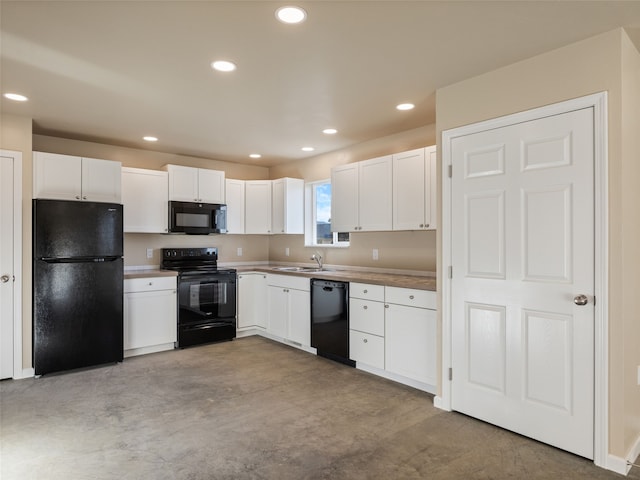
(253, 409)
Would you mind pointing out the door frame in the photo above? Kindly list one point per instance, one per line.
(598, 102)
(17, 260)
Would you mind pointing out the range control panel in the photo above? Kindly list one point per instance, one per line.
(206, 253)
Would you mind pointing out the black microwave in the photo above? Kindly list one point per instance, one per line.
(197, 218)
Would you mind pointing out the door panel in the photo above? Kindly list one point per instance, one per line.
(523, 248)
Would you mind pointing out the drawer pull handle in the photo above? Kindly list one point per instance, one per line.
(150, 283)
(365, 307)
(410, 297)
(364, 340)
(365, 291)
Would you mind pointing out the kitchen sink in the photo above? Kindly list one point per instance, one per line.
(300, 269)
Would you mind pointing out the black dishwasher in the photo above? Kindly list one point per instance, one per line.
(330, 320)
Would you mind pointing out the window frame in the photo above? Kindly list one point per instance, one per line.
(310, 223)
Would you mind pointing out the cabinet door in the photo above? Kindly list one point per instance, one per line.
(257, 206)
(278, 300)
(278, 189)
(375, 194)
(300, 317)
(101, 180)
(57, 176)
(145, 196)
(410, 342)
(210, 186)
(183, 183)
(149, 318)
(234, 198)
(252, 298)
(409, 196)
(344, 198)
(431, 183)
(366, 348)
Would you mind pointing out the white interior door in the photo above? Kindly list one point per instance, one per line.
(522, 244)
(6, 267)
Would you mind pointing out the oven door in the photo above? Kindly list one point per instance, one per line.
(207, 298)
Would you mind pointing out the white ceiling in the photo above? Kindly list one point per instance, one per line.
(113, 71)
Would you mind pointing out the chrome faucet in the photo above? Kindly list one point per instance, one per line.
(318, 258)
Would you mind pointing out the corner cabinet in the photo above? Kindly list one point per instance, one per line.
(414, 189)
(150, 315)
(252, 298)
(146, 200)
(66, 177)
(362, 196)
(188, 184)
(257, 213)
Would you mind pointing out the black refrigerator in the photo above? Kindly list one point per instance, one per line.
(77, 284)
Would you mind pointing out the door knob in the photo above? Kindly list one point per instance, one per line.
(4, 278)
(581, 300)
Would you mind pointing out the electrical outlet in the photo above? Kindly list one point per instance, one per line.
(149, 252)
(375, 254)
(286, 251)
(239, 251)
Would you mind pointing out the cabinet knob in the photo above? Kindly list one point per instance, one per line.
(426, 225)
(410, 297)
(365, 307)
(364, 340)
(77, 197)
(422, 225)
(150, 283)
(84, 197)
(365, 291)
(386, 306)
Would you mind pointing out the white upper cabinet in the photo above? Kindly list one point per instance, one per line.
(362, 196)
(375, 194)
(188, 184)
(234, 195)
(414, 189)
(257, 212)
(66, 177)
(287, 206)
(344, 198)
(145, 196)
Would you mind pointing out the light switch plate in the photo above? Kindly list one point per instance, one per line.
(149, 252)
(239, 251)
(375, 254)
(286, 251)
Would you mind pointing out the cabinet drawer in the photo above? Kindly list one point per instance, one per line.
(149, 284)
(411, 297)
(366, 348)
(366, 316)
(365, 290)
(289, 281)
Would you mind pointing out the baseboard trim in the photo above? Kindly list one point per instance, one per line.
(438, 402)
(26, 373)
(634, 453)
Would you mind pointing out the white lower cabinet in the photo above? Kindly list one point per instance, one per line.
(289, 308)
(252, 297)
(393, 330)
(150, 315)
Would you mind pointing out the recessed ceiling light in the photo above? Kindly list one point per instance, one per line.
(291, 14)
(330, 131)
(223, 66)
(16, 96)
(149, 138)
(255, 155)
(405, 106)
(308, 149)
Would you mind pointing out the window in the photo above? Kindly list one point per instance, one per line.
(318, 217)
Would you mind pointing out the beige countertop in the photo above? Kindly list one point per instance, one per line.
(129, 274)
(419, 282)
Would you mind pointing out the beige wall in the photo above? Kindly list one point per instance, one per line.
(583, 68)
(319, 167)
(630, 238)
(15, 134)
